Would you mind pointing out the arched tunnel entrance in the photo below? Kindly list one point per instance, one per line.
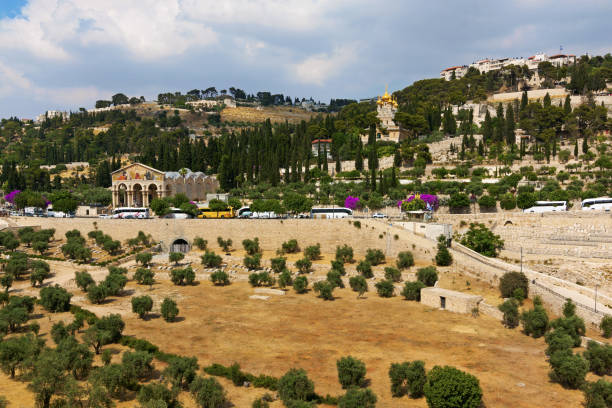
(179, 245)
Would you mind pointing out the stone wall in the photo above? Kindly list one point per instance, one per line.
(456, 302)
(271, 233)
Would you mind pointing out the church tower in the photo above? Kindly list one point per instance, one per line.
(388, 129)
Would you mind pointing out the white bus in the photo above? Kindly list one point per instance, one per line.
(547, 206)
(597, 204)
(131, 212)
(337, 212)
(177, 213)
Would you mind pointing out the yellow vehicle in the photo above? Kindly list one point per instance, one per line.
(208, 213)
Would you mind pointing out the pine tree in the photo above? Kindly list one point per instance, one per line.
(487, 128)
(546, 102)
(585, 146)
(567, 106)
(524, 101)
(510, 125)
(576, 149)
(359, 156)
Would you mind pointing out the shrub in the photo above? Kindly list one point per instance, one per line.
(535, 321)
(447, 387)
(219, 278)
(184, 276)
(335, 279)
(144, 276)
(480, 239)
(511, 313)
(300, 284)
(169, 310)
(324, 289)
(443, 256)
(404, 260)
(303, 265)
(507, 201)
(141, 305)
(487, 201)
(412, 290)
(96, 293)
(55, 299)
(568, 369)
(181, 371)
(278, 264)
(211, 260)
(525, 200)
(251, 246)
(313, 252)
(458, 201)
(137, 364)
(358, 398)
(285, 279)
(393, 274)
(351, 372)
(144, 258)
(344, 254)
(599, 358)
(385, 288)
(38, 275)
(606, 326)
(200, 243)
(558, 341)
(598, 394)
(375, 256)
(158, 393)
(176, 257)
(428, 275)
(208, 393)
(407, 378)
(365, 269)
(225, 244)
(573, 326)
(358, 284)
(253, 262)
(338, 266)
(357, 224)
(511, 281)
(290, 247)
(295, 386)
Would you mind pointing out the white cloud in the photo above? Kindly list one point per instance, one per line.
(317, 69)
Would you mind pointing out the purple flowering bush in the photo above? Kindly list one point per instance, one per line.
(351, 202)
(10, 197)
(420, 202)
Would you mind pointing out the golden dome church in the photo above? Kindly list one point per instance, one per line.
(388, 130)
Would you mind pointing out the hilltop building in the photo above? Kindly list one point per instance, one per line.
(211, 103)
(388, 130)
(487, 64)
(52, 114)
(137, 185)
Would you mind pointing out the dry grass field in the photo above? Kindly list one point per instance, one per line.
(275, 114)
(222, 325)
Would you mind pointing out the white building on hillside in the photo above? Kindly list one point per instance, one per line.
(491, 64)
(52, 114)
(210, 103)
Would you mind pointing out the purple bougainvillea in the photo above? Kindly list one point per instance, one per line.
(10, 197)
(351, 202)
(430, 200)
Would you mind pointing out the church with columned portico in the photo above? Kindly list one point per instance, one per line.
(136, 185)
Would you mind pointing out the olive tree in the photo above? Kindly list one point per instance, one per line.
(358, 284)
(169, 310)
(351, 372)
(141, 305)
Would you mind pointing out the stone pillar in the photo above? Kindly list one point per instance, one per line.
(145, 197)
(130, 197)
(114, 196)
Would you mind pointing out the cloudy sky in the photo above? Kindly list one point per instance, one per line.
(65, 54)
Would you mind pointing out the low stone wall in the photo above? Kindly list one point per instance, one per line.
(271, 233)
(490, 310)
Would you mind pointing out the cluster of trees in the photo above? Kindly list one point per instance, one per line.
(119, 99)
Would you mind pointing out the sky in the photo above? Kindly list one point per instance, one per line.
(66, 54)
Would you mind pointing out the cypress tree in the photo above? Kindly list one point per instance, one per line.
(510, 125)
(576, 149)
(524, 101)
(585, 146)
(359, 156)
(487, 128)
(567, 106)
(546, 102)
(373, 179)
(325, 166)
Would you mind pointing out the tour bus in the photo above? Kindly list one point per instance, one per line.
(208, 213)
(547, 206)
(131, 212)
(177, 213)
(597, 204)
(337, 212)
(243, 212)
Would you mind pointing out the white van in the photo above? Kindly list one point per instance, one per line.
(547, 206)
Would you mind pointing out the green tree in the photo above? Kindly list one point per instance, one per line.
(144, 276)
(211, 260)
(447, 387)
(480, 239)
(407, 378)
(412, 290)
(568, 369)
(300, 284)
(219, 278)
(169, 310)
(598, 394)
(344, 254)
(385, 288)
(285, 279)
(313, 252)
(510, 282)
(141, 305)
(375, 256)
(55, 299)
(181, 371)
(358, 398)
(225, 244)
(295, 386)
(200, 243)
(358, 284)
(365, 269)
(208, 393)
(303, 265)
(535, 321)
(511, 313)
(427, 275)
(176, 257)
(49, 377)
(144, 258)
(324, 289)
(351, 372)
(606, 326)
(160, 207)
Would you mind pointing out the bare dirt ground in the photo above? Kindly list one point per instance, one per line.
(275, 114)
(222, 325)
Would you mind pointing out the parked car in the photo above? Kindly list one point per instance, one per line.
(379, 215)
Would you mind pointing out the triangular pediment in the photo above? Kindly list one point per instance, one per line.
(137, 171)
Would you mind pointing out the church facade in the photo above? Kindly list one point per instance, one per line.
(136, 185)
(388, 130)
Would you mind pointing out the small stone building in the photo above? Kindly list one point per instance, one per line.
(450, 300)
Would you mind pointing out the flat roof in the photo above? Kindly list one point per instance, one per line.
(450, 293)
